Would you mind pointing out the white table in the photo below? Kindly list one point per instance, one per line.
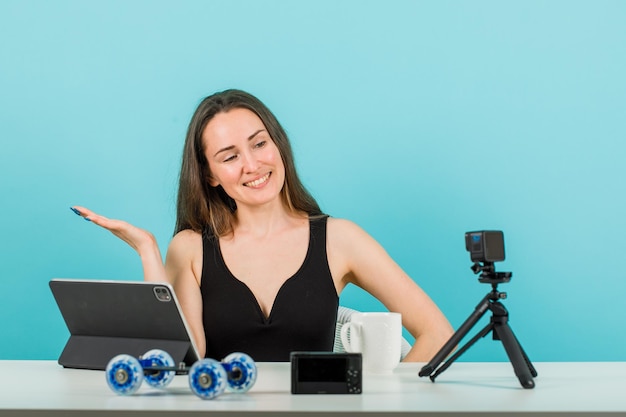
(43, 388)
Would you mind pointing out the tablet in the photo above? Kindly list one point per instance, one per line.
(106, 318)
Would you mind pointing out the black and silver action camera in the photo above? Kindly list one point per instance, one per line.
(485, 245)
(326, 373)
(485, 248)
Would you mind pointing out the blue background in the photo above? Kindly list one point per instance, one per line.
(418, 120)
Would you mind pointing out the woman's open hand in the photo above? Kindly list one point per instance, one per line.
(141, 240)
(138, 239)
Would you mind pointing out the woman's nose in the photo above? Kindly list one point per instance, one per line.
(250, 163)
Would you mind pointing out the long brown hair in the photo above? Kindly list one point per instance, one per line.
(206, 209)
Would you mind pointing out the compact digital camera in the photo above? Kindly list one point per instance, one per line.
(326, 373)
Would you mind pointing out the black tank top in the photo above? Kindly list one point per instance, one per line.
(302, 318)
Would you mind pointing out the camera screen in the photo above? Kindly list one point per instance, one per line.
(322, 369)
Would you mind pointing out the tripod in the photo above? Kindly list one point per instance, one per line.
(522, 366)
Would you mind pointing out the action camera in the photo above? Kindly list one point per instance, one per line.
(485, 245)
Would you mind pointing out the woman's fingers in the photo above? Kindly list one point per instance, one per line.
(87, 214)
(130, 234)
(105, 222)
(81, 211)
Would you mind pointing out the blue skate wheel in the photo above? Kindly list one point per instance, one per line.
(207, 378)
(124, 374)
(158, 357)
(241, 371)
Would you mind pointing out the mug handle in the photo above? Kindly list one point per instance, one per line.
(352, 343)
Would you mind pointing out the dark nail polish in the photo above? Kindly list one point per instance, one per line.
(75, 211)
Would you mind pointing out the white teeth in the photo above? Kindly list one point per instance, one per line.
(258, 182)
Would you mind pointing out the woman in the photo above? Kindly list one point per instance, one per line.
(256, 265)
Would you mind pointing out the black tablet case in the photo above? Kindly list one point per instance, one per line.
(106, 318)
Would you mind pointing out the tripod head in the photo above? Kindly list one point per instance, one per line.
(488, 274)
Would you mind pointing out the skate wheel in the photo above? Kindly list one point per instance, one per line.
(158, 357)
(241, 371)
(207, 378)
(124, 374)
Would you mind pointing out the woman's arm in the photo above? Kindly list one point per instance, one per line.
(141, 240)
(355, 257)
(183, 265)
(182, 269)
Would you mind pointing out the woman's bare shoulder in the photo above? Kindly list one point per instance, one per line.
(184, 255)
(188, 236)
(343, 230)
(185, 243)
(353, 243)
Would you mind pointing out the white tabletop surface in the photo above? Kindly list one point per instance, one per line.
(45, 388)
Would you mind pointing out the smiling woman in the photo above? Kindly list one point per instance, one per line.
(255, 263)
(241, 163)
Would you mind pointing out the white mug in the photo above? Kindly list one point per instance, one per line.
(377, 336)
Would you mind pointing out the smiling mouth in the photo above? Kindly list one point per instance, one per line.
(258, 182)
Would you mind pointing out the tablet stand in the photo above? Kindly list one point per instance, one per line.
(95, 352)
(522, 366)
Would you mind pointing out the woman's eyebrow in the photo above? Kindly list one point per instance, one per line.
(228, 148)
(255, 133)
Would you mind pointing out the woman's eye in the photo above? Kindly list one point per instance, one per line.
(260, 144)
(230, 158)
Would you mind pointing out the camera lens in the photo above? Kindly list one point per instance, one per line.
(162, 293)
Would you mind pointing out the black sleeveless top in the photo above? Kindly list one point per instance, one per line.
(302, 318)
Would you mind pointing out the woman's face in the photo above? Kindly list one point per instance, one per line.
(243, 158)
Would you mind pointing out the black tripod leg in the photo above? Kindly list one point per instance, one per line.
(478, 312)
(516, 354)
(532, 369)
(484, 332)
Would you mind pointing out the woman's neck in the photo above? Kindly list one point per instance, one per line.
(265, 220)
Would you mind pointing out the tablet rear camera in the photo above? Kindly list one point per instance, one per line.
(162, 294)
